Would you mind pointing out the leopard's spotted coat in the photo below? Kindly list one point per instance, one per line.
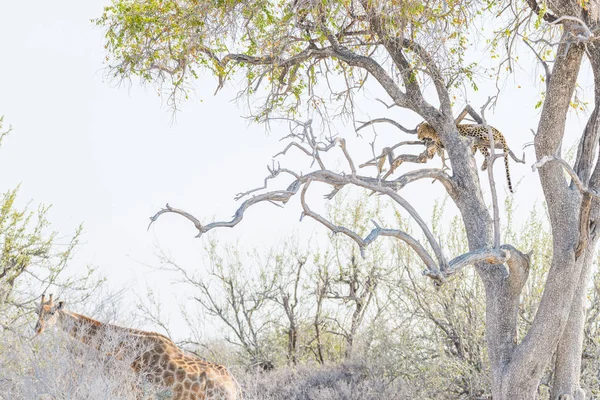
(426, 133)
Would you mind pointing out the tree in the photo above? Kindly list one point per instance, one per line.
(234, 299)
(287, 49)
(32, 259)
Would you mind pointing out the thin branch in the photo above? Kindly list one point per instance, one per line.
(334, 228)
(342, 143)
(388, 106)
(273, 173)
(541, 60)
(277, 196)
(436, 174)
(490, 170)
(169, 209)
(373, 161)
(290, 145)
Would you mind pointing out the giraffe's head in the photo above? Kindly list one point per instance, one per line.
(47, 314)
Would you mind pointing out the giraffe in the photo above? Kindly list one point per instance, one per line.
(156, 357)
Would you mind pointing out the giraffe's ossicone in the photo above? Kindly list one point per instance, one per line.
(155, 357)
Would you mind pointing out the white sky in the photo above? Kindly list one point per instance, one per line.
(109, 156)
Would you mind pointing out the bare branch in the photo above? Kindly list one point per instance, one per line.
(585, 31)
(276, 196)
(373, 161)
(290, 145)
(334, 228)
(541, 60)
(387, 120)
(580, 185)
(274, 172)
(461, 116)
(490, 256)
(436, 174)
(413, 213)
(412, 242)
(342, 143)
(402, 158)
(388, 106)
(490, 169)
(169, 209)
(474, 114)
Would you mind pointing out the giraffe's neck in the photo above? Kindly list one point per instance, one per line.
(108, 338)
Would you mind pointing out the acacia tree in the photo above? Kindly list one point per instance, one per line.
(288, 49)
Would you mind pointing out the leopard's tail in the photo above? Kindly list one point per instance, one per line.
(507, 171)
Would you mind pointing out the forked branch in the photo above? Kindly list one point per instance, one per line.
(586, 201)
(583, 188)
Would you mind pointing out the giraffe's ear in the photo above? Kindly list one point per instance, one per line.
(61, 305)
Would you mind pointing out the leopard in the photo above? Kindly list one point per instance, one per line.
(427, 134)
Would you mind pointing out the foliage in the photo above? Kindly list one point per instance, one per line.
(27, 246)
(3, 134)
(34, 258)
(282, 48)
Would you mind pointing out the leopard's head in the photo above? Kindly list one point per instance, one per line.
(426, 132)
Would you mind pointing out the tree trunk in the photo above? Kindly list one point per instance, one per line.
(523, 370)
(567, 371)
(567, 368)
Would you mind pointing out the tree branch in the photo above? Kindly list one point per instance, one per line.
(490, 256)
(387, 120)
(370, 65)
(541, 60)
(490, 170)
(277, 196)
(342, 143)
(436, 174)
(536, 9)
(580, 185)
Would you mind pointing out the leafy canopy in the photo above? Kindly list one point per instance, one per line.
(282, 47)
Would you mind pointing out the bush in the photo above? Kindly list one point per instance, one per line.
(55, 366)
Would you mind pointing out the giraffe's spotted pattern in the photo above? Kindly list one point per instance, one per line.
(426, 133)
(157, 359)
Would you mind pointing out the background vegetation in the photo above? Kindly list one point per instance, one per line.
(304, 321)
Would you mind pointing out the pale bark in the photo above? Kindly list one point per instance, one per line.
(567, 368)
(526, 365)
